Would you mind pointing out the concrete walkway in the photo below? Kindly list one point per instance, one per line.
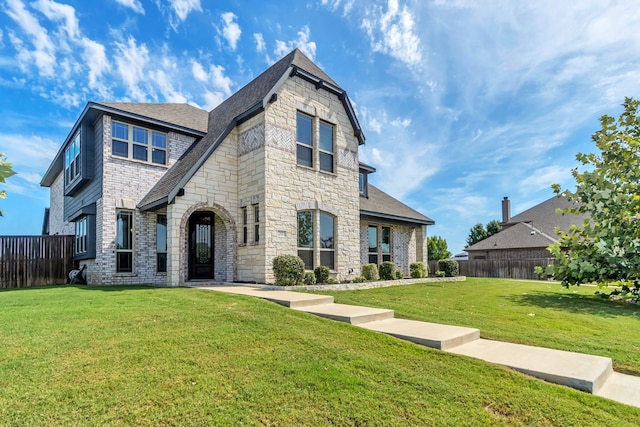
(593, 374)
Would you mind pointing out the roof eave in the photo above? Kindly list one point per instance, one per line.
(339, 92)
(181, 129)
(397, 217)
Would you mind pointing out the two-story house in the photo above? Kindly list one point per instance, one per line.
(165, 194)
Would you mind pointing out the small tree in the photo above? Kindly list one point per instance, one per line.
(437, 248)
(606, 247)
(5, 172)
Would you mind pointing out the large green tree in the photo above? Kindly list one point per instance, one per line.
(605, 248)
(437, 248)
(5, 172)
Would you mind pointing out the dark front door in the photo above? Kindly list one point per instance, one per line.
(201, 245)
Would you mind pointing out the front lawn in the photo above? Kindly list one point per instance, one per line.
(140, 356)
(526, 312)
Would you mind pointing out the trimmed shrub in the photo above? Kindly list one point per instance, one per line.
(309, 278)
(398, 274)
(449, 267)
(322, 274)
(359, 279)
(439, 273)
(370, 272)
(386, 270)
(418, 270)
(332, 281)
(288, 269)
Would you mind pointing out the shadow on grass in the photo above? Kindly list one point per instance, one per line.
(576, 303)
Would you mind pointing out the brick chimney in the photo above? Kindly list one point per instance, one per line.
(506, 210)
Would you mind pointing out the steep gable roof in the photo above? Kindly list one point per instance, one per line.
(381, 205)
(533, 228)
(245, 103)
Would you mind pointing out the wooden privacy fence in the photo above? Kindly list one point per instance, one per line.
(500, 268)
(27, 261)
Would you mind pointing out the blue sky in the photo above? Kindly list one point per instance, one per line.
(462, 102)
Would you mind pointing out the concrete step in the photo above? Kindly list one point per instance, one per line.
(434, 335)
(353, 314)
(580, 371)
(621, 388)
(286, 298)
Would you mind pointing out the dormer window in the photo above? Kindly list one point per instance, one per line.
(138, 143)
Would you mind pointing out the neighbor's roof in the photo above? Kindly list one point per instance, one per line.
(183, 118)
(533, 228)
(246, 102)
(381, 205)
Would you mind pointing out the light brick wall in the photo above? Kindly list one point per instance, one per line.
(290, 188)
(125, 183)
(407, 245)
(57, 224)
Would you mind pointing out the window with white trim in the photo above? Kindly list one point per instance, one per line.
(81, 236)
(73, 160)
(138, 143)
(161, 244)
(124, 241)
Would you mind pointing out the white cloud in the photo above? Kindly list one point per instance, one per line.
(95, 57)
(231, 30)
(302, 42)
(183, 8)
(30, 156)
(43, 55)
(131, 60)
(393, 32)
(60, 12)
(134, 5)
(260, 45)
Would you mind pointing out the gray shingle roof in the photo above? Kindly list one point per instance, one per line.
(184, 115)
(223, 118)
(381, 205)
(541, 220)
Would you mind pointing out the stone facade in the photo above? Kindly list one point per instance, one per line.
(290, 187)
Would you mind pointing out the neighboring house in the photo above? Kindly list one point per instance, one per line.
(528, 234)
(168, 193)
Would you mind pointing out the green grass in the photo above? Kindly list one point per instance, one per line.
(142, 356)
(526, 312)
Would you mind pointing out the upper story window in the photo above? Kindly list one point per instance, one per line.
(361, 183)
(138, 143)
(306, 145)
(73, 160)
(326, 147)
(304, 139)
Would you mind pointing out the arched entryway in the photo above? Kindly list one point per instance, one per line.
(201, 246)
